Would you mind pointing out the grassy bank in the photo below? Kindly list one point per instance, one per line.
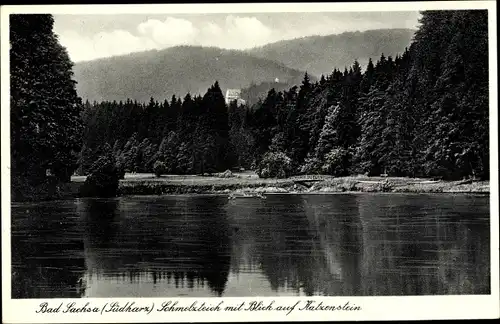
(148, 184)
(411, 185)
(191, 184)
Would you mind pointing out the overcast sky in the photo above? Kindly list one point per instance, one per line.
(88, 37)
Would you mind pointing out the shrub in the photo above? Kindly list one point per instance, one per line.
(311, 165)
(159, 168)
(274, 165)
(226, 174)
(103, 179)
(386, 186)
(335, 162)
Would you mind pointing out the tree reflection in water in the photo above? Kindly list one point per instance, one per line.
(47, 251)
(425, 244)
(182, 242)
(356, 245)
(334, 245)
(308, 245)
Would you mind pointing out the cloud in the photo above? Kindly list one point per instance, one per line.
(103, 44)
(88, 38)
(171, 32)
(245, 32)
(234, 32)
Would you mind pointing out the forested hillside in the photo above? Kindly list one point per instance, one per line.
(423, 112)
(176, 70)
(320, 54)
(182, 69)
(256, 92)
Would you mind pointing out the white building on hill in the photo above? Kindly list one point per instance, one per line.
(234, 94)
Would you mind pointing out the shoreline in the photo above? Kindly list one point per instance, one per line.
(250, 184)
(187, 190)
(180, 185)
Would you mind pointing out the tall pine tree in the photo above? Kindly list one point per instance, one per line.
(46, 113)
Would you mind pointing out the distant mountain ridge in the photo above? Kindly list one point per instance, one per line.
(176, 70)
(182, 69)
(321, 54)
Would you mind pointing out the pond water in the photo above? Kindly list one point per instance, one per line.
(285, 245)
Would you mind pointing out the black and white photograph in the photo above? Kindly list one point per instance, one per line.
(212, 155)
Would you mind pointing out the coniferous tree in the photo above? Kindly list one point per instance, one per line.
(263, 123)
(217, 118)
(368, 77)
(168, 151)
(299, 124)
(46, 113)
(450, 60)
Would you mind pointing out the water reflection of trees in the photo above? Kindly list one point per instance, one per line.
(313, 245)
(297, 243)
(339, 232)
(424, 244)
(100, 220)
(365, 244)
(182, 242)
(47, 251)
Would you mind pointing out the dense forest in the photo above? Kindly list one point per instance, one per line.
(422, 113)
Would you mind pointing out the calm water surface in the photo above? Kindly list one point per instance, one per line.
(285, 245)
